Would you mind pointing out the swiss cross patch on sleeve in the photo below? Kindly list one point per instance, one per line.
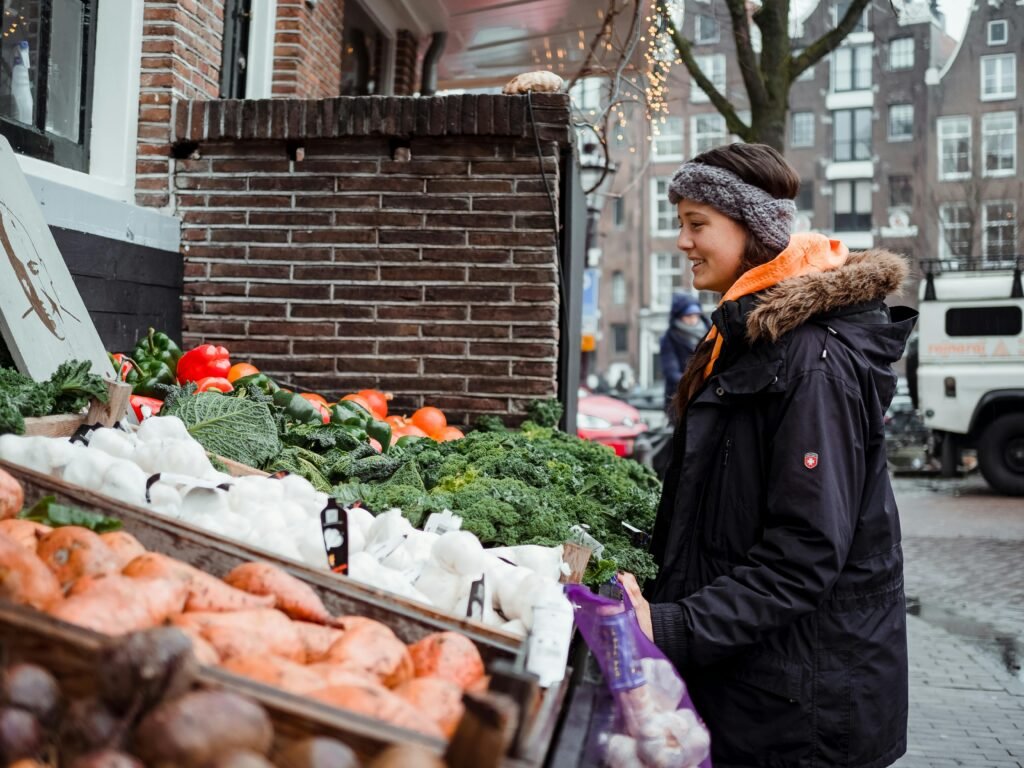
(810, 460)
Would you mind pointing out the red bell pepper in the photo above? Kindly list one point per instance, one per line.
(145, 407)
(215, 383)
(123, 364)
(202, 362)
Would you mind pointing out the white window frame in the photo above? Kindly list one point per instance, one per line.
(664, 218)
(714, 67)
(855, 188)
(941, 127)
(659, 274)
(989, 133)
(619, 288)
(900, 137)
(700, 39)
(259, 79)
(899, 58)
(696, 136)
(945, 251)
(1014, 237)
(998, 24)
(1002, 60)
(807, 118)
(856, 54)
(586, 94)
(865, 19)
(667, 136)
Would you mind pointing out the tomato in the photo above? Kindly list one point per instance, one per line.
(315, 399)
(213, 383)
(409, 431)
(396, 422)
(450, 433)
(431, 420)
(377, 446)
(377, 400)
(238, 370)
(360, 401)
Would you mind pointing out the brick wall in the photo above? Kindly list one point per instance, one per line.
(181, 59)
(406, 54)
(435, 277)
(307, 49)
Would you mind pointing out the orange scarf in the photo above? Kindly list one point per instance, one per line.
(806, 253)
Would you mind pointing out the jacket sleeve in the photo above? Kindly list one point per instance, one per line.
(671, 365)
(815, 477)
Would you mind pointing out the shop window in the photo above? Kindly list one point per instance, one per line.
(46, 78)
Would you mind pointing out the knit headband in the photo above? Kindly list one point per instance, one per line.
(768, 218)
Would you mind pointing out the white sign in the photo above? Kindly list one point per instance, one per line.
(43, 319)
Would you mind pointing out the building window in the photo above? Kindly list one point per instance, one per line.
(954, 147)
(851, 134)
(665, 219)
(618, 288)
(999, 231)
(901, 192)
(706, 29)
(801, 130)
(47, 55)
(998, 32)
(707, 132)
(901, 122)
(620, 338)
(807, 74)
(839, 11)
(713, 67)
(851, 68)
(999, 143)
(901, 53)
(999, 77)
(586, 94)
(666, 278)
(851, 205)
(805, 196)
(618, 213)
(668, 143)
(954, 231)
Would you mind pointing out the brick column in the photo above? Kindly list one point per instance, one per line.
(406, 72)
(307, 49)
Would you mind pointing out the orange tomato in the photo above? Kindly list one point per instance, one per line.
(396, 422)
(314, 398)
(410, 430)
(377, 400)
(431, 420)
(238, 370)
(450, 433)
(360, 401)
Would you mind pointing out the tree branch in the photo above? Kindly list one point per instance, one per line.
(752, 78)
(828, 42)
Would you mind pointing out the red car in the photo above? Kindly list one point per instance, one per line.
(608, 421)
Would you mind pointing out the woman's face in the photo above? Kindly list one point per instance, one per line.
(713, 243)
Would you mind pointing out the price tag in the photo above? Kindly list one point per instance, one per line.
(637, 537)
(581, 536)
(83, 433)
(334, 522)
(547, 645)
(442, 523)
(478, 599)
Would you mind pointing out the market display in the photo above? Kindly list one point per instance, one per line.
(68, 390)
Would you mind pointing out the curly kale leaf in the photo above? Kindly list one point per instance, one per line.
(489, 423)
(11, 419)
(546, 413)
(301, 462)
(74, 386)
(323, 437)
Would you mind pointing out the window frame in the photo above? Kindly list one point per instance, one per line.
(619, 289)
(860, 221)
(617, 329)
(912, 56)
(698, 38)
(807, 118)
(997, 24)
(855, 139)
(34, 140)
(696, 136)
(893, 138)
(906, 182)
(657, 274)
(946, 252)
(998, 95)
(986, 135)
(697, 95)
(618, 212)
(856, 54)
(806, 189)
(667, 136)
(986, 224)
(658, 216)
(939, 125)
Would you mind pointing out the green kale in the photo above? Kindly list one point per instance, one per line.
(323, 437)
(11, 419)
(74, 386)
(232, 427)
(301, 462)
(489, 423)
(546, 413)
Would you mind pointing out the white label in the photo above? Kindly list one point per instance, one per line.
(547, 651)
(442, 523)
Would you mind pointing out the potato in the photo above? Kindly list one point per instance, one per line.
(33, 689)
(87, 727)
(199, 728)
(145, 668)
(317, 752)
(241, 759)
(107, 758)
(20, 735)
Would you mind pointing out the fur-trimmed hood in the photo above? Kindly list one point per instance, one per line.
(866, 276)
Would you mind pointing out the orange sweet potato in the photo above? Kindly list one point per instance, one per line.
(371, 647)
(294, 597)
(441, 700)
(12, 495)
(124, 546)
(205, 592)
(113, 604)
(72, 552)
(25, 532)
(375, 701)
(317, 639)
(290, 676)
(448, 655)
(24, 578)
(247, 633)
(205, 653)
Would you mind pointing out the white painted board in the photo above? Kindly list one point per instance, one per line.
(43, 319)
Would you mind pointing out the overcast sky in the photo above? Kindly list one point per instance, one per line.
(955, 10)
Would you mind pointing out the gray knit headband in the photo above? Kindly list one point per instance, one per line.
(769, 219)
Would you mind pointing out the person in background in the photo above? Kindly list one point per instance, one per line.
(687, 328)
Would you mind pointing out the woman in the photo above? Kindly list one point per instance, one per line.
(779, 595)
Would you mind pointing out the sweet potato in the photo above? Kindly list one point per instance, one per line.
(12, 496)
(247, 633)
(113, 604)
(24, 578)
(440, 700)
(205, 592)
(124, 546)
(294, 597)
(205, 653)
(290, 676)
(373, 648)
(26, 532)
(448, 655)
(317, 639)
(72, 552)
(377, 702)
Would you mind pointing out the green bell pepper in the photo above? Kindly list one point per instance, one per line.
(147, 374)
(297, 408)
(158, 346)
(260, 380)
(381, 432)
(349, 414)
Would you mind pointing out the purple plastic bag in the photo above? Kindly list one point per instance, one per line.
(655, 725)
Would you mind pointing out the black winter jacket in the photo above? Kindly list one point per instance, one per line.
(780, 590)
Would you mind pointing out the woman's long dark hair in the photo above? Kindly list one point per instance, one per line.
(761, 166)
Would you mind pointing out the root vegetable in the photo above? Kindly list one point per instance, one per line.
(205, 653)
(317, 752)
(107, 758)
(20, 735)
(241, 759)
(448, 655)
(201, 727)
(26, 532)
(372, 648)
(245, 633)
(205, 592)
(33, 689)
(375, 701)
(294, 597)
(316, 639)
(24, 578)
(12, 496)
(440, 700)
(124, 546)
(114, 604)
(72, 552)
(406, 756)
(274, 671)
(88, 726)
(143, 668)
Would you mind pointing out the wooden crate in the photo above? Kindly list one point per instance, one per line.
(65, 424)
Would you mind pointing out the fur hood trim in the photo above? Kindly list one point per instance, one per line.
(866, 276)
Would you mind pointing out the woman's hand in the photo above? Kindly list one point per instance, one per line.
(640, 606)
